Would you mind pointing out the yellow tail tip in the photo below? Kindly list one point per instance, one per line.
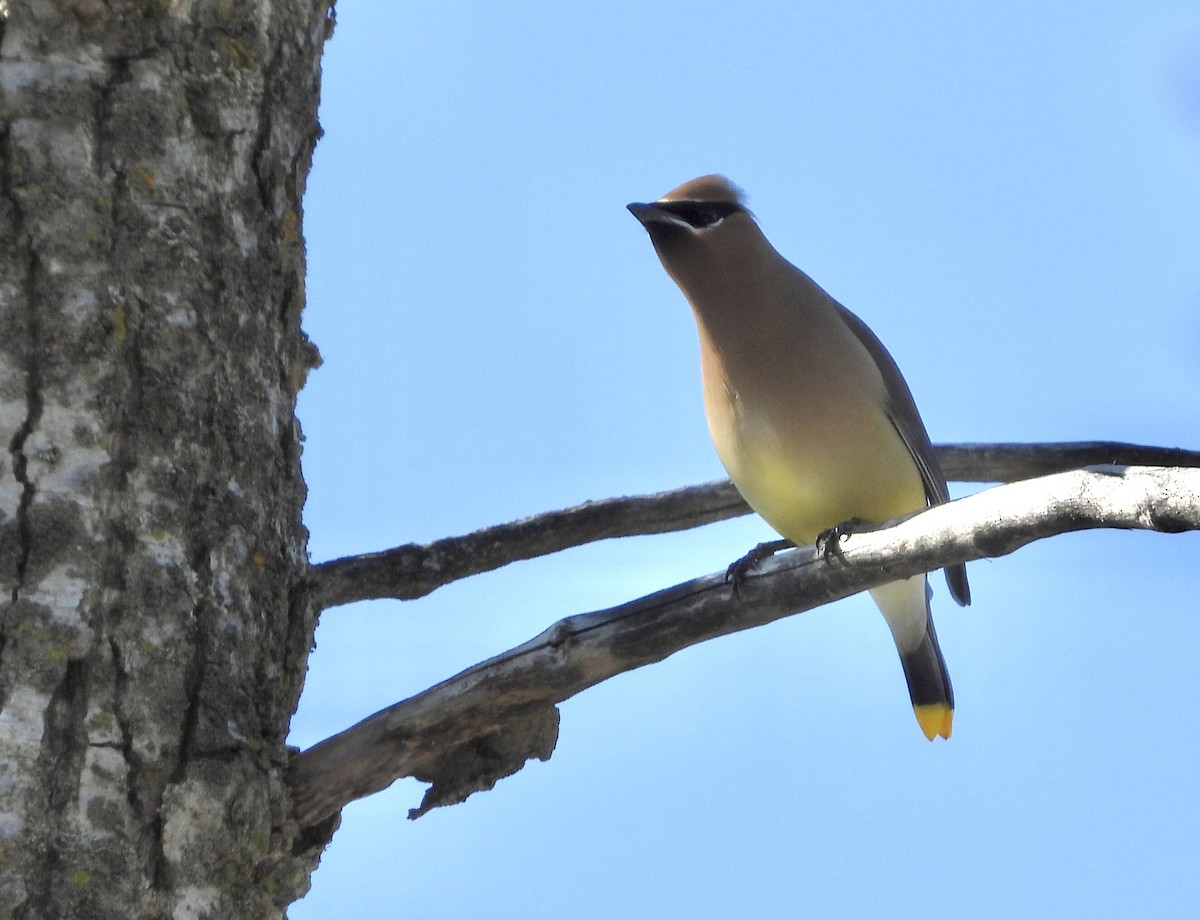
(935, 719)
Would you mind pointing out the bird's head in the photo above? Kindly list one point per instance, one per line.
(703, 232)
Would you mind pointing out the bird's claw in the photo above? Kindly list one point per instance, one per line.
(829, 541)
(737, 571)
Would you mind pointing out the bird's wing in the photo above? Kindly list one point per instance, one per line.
(902, 411)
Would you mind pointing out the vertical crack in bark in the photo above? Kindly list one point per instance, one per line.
(20, 462)
(142, 792)
(200, 551)
(262, 137)
(203, 500)
(32, 353)
(60, 763)
(197, 666)
(119, 73)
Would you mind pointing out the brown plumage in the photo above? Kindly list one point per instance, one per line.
(807, 410)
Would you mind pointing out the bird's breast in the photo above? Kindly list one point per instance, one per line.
(809, 457)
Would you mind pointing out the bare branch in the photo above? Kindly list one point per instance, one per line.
(467, 732)
(1014, 462)
(414, 570)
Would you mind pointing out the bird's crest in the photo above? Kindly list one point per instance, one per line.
(712, 188)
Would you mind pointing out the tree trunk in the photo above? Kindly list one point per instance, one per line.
(153, 622)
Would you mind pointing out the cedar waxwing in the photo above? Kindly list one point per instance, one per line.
(807, 410)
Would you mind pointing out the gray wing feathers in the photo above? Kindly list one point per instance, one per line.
(902, 411)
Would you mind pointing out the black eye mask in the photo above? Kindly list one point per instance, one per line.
(700, 214)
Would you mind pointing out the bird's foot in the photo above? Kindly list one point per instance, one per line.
(829, 541)
(737, 571)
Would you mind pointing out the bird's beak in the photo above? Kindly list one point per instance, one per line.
(655, 218)
(650, 214)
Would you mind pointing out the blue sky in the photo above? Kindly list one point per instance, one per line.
(1009, 196)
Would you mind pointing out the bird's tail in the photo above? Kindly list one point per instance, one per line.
(905, 606)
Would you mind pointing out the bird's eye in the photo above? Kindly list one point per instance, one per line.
(701, 214)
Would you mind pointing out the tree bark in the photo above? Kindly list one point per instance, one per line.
(153, 627)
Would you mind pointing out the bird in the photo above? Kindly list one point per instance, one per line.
(807, 410)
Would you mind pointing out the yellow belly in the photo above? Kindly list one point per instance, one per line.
(804, 482)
